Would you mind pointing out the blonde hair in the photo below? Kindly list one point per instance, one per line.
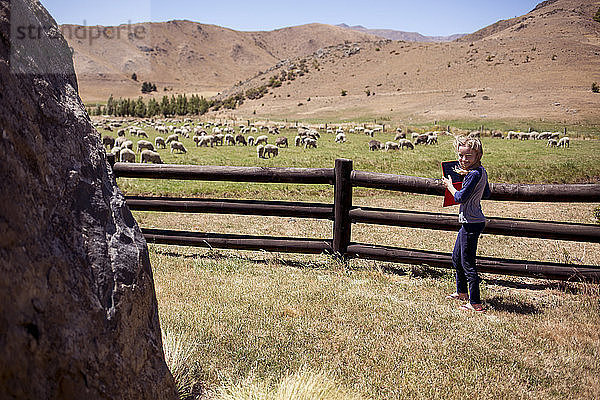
(474, 144)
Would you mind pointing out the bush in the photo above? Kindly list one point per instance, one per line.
(595, 88)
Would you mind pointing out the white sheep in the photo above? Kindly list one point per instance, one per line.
(552, 143)
(240, 139)
(250, 140)
(298, 140)
(127, 155)
(564, 142)
(281, 141)
(218, 139)
(310, 142)
(178, 146)
(391, 146)
(128, 144)
(260, 151)
(432, 139)
(400, 135)
(151, 157)
(144, 144)
(159, 142)
(172, 138)
(262, 139)
(229, 139)
(340, 137)
(270, 150)
(142, 133)
(120, 140)
(406, 143)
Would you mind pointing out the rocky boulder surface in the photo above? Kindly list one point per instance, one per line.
(78, 310)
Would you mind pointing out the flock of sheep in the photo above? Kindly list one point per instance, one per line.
(211, 134)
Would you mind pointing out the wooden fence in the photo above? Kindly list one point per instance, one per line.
(344, 214)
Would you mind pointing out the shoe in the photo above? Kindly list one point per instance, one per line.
(458, 296)
(478, 308)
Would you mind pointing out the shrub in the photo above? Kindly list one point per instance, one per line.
(595, 88)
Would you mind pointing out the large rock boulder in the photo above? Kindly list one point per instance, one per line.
(78, 311)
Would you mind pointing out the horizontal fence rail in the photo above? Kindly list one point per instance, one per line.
(494, 225)
(220, 173)
(572, 193)
(239, 207)
(344, 214)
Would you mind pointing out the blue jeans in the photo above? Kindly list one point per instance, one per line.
(463, 259)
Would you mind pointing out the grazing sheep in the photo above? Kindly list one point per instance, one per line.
(172, 138)
(128, 144)
(121, 132)
(414, 135)
(178, 146)
(552, 143)
(240, 139)
(564, 142)
(310, 142)
(260, 151)
(108, 141)
(229, 139)
(218, 139)
(262, 139)
(270, 150)
(127, 155)
(473, 134)
(119, 141)
(432, 139)
(391, 146)
(340, 137)
(151, 157)
(374, 145)
(406, 143)
(159, 142)
(250, 140)
(421, 139)
(144, 144)
(369, 132)
(512, 135)
(142, 133)
(116, 151)
(400, 135)
(497, 134)
(281, 142)
(298, 141)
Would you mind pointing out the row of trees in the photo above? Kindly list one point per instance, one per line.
(180, 105)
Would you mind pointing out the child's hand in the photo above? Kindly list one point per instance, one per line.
(447, 181)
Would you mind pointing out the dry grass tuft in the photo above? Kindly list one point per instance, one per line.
(180, 349)
(302, 385)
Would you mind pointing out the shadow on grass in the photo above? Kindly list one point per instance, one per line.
(217, 255)
(516, 283)
(512, 306)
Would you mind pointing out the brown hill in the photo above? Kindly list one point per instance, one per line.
(540, 65)
(186, 56)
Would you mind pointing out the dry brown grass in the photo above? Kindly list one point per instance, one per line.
(381, 333)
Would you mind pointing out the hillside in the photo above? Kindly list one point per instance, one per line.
(402, 35)
(537, 66)
(186, 56)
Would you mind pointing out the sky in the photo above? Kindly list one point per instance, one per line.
(427, 17)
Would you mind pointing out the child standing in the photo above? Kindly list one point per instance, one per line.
(475, 187)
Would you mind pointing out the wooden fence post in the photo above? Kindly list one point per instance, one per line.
(341, 207)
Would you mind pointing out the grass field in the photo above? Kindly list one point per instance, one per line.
(255, 325)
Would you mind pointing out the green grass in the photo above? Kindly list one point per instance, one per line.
(507, 161)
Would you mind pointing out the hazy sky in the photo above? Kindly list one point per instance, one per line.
(428, 17)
